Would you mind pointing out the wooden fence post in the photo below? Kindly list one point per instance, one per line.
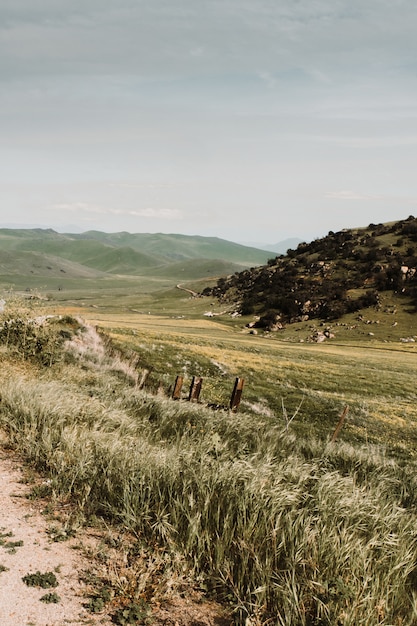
(236, 394)
(340, 424)
(144, 378)
(195, 389)
(176, 394)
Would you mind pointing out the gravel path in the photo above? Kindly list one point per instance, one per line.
(20, 605)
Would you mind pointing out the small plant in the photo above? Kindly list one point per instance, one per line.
(50, 598)
(9, 546)
(4, 535)
(3, 568)
(134, 613)
(45, 581)
(97, 602)
(58, 534)
(40, 491)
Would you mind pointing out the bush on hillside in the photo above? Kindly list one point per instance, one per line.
(35, 337)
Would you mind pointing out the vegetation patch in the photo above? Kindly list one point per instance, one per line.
(58, 533)
(99, 600)
(336, 275)
(50, 598)
(133, 613)
(257, 508)
(9, 546)
(44, 580)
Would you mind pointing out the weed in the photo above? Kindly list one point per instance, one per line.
(50, 598)
(60, 533)
(39, 338)
(9, 546)
(3, 568)
(133, 613)
(4, 535)
(45, 580)
(99, 599)
(43, 490)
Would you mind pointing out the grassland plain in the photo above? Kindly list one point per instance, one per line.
(258, 507)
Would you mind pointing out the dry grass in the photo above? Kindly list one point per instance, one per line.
(272, 518)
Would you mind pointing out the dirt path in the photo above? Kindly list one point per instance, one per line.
(25, 548)
(194, 294)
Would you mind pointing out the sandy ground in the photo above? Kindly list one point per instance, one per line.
(21, 520)
(20, 605)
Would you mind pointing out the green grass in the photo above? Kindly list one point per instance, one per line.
(270, 517)
(44, 580)
(377, 382)
(46, 260)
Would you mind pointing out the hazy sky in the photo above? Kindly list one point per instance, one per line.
(252, 120)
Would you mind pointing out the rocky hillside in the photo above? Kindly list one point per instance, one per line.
(341, 273)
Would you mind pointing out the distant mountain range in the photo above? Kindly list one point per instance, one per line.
(279, 248)
(44, 252)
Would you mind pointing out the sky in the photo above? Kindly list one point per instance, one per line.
(250, 120)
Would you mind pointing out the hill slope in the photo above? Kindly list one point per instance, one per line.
(122, 253)
(174, 247)
(340, 273)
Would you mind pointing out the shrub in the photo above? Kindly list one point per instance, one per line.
(33, 336)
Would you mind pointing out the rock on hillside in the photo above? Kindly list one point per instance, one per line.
(337, 274)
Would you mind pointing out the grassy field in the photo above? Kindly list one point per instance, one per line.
(284, 373)
(258, 507)
(377, 381)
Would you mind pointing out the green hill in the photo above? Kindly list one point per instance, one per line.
(89, 252)
(125, 253)
(341, 273)
(29, 255)
(22, 263)
(191, 269)
(176, 247)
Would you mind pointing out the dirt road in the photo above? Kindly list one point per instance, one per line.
(25, 548)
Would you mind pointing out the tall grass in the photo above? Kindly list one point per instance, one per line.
(299, 532)
(289, 530)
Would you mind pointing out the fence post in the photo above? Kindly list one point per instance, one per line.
(144, 378)
(176, 394)
(236, 394)
(195, 389)
(161, 389)
(340, 424)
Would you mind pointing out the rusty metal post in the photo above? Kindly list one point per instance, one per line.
(195, 389)
(236, 394)
(176, 394)
(340, 424)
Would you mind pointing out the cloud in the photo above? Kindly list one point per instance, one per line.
(268, 79)
(81, 207)
(352, 195)
(365, 142)
(144, 185)
(165, 37)
(234, 101)
(197, 52)
(368, 197)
